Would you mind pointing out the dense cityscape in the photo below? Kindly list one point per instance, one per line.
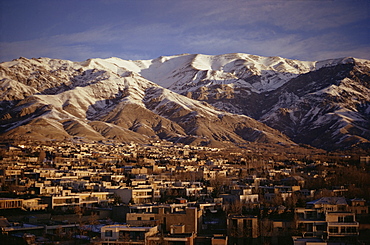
(166, 193)
(184, 122)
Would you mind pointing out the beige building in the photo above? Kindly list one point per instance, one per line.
(172, 239)
(123, 234)
(34, 204)
(242, 226)
(219, 240)
(85, 199)
(187, 219)
(8, 203)
(358, 206)
(137, 195)
(341, 224)
(327, 218)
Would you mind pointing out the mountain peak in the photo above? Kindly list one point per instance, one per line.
(192, 98)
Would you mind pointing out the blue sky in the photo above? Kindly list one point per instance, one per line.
(145, 29)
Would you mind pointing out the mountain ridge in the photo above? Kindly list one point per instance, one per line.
(190, 98)
(91, 103)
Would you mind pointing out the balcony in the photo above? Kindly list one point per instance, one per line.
(343, 229)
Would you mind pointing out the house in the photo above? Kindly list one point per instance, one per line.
(124, 234)
(34, 204)
(136, 195)
(242, 195)
(242, 226)
(358, 206)
(7, 227)
(341, 224)
(308, 241)
(172, 238)
(68, 200)
(167, 216)
(329, 204)
(294, 181)
(327, 218)
(9, 203)
(219, 240)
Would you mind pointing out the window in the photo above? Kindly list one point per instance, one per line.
(333, 229)
(320, 227)
(138, 218)
(124, 235)
(351, 229)
(234, 223)
(342, 208)
(348, 219)
(151, 218)
(309, 227)
(137, 235)
(108, 233)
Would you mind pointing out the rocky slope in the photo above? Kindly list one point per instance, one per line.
(47, 99)
(322, 103)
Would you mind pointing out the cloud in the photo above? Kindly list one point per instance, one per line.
(118, 39)
(289, 15)
(293, 29)
(308, 30)
(44, 48)
(295, 46)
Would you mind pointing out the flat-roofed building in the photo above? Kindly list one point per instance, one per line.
(9, 203)
(242, 226)
(125, 234)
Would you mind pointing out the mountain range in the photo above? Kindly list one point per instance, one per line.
(211, 100)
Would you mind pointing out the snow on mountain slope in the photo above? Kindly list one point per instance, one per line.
(198, 118)
(326, 108)
(99, 99)
(188, 72)
(322, 103)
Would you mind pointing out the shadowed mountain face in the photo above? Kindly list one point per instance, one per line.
(54, 99)
(193, 99)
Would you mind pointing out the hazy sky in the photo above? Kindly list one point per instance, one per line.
(146, 29)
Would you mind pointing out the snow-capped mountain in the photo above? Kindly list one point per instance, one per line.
(327, 108)
(322, 103)
(97, 99)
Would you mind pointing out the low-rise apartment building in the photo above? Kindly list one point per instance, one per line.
(341, 224)
(68, 200)
(188, 218)
(327, 218)
(242, 226)
(124, 234)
